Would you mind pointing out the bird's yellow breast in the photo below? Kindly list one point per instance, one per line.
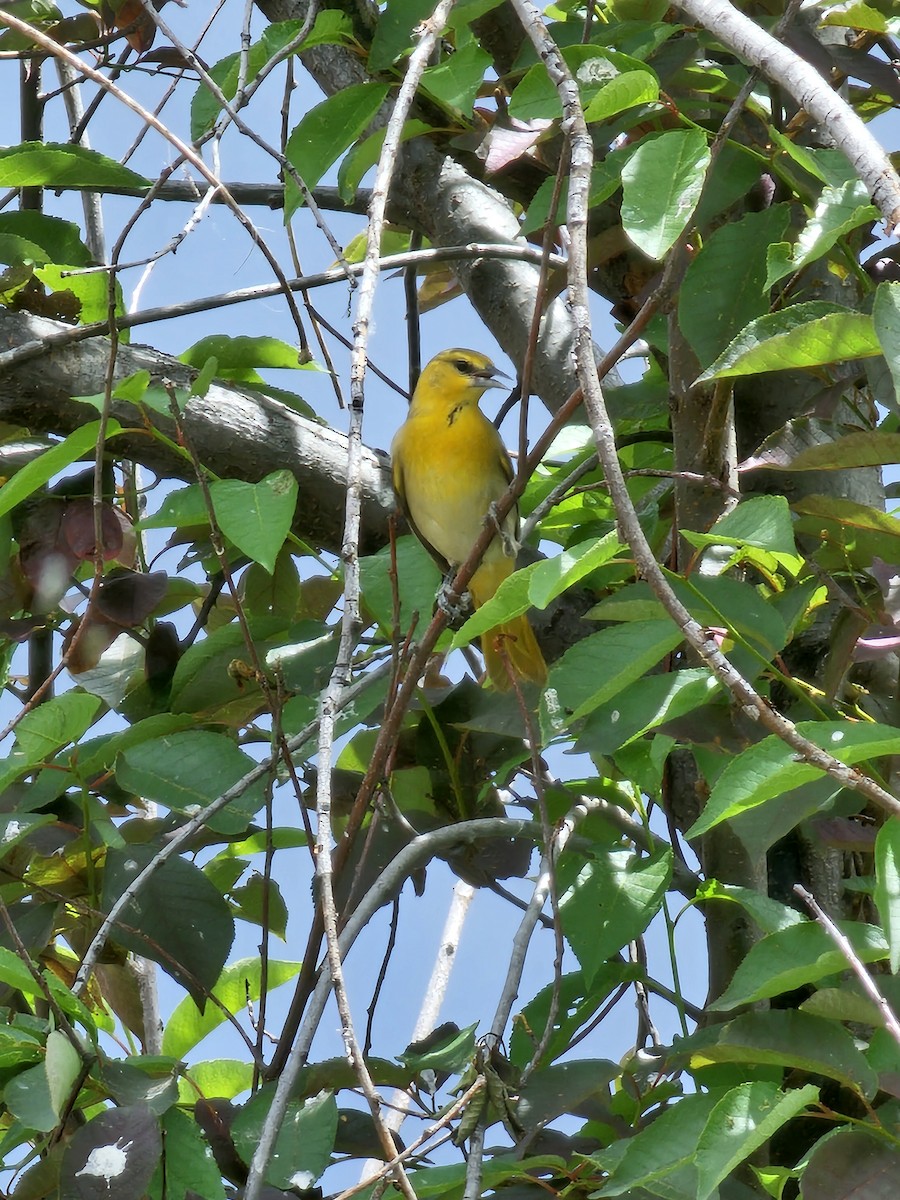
(452, 467)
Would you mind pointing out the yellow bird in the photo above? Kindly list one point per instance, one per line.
(449, 467)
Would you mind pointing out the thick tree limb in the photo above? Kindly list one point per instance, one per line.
(438, 197)
(813, 93)
(237, 434)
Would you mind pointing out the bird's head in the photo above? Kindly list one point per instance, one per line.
(458, 375)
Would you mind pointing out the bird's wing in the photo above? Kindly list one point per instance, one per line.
(397, 453)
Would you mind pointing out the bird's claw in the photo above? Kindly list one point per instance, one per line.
(508, 542)
(455, 608)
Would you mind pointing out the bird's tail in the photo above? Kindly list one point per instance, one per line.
(514, 642)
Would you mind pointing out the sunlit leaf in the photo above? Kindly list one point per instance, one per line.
(887, 885)
(771, 767)
(325, 132)
(806, 335)
(661, 185)
(47, 164)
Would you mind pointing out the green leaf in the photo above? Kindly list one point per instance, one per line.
(183, 507)
(805, 335)
(611, 900)
(739, 1124)
(509, 600)
(595, 68)
(204, 380)
(554, 575)
(305, 1140)
(305, 666)
(886, 319)
(15, 828)
(38, 1096)
(189, 1024)
(330, 27)
(190, 1168)
(364, 155)
(133, 387)
(58, 241)
(625, 91)
(646, 704)
(725, 285)
(887, 885)
(42, 469)
(783, 1038)
(186, 771)
(261, 902)
(828, 448)
(449, 1053)
(116, 1143)
(714, 600)
(54, 724)
(226, 1077)
(256, 517)
(143, 1079)
(770, 768)
(666, 1144)
(63, 1064)
(455, 81)
(418, 580)
(431, 1183)
(602, 665)
(240, 357)
(763, 521)
(46, 164)
(794, 957)
(606, 179)
(661, 184)
(91, 291)
(770, 915)
(839, 210)
(563, 1088)
(326, 131)
(15, 249)
(193, 949)
(15, 973)
(393, 32)
(574, 1004)
(27, 1096)
(852, 1161)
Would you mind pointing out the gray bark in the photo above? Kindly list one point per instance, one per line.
(236, 434)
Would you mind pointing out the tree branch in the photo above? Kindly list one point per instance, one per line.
(813, 93)
(440, 198)
(237, 435)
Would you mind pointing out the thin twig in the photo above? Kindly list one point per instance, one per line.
(196, 823)
(891, 1023)
(350, 621)
(78, 333)
(62, 52)
(753, 705)
(450, 1115)
(417, 853)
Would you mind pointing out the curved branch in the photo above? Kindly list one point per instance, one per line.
(813, 93)
(237, 434)
(753, 705)
(437, 196)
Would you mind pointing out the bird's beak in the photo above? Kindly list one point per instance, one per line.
(492, 377)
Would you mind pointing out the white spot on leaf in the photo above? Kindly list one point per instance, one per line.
(107, 1162)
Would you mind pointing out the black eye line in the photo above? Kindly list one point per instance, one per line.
(464, 366)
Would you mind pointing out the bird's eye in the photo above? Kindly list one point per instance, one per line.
(464, 366)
